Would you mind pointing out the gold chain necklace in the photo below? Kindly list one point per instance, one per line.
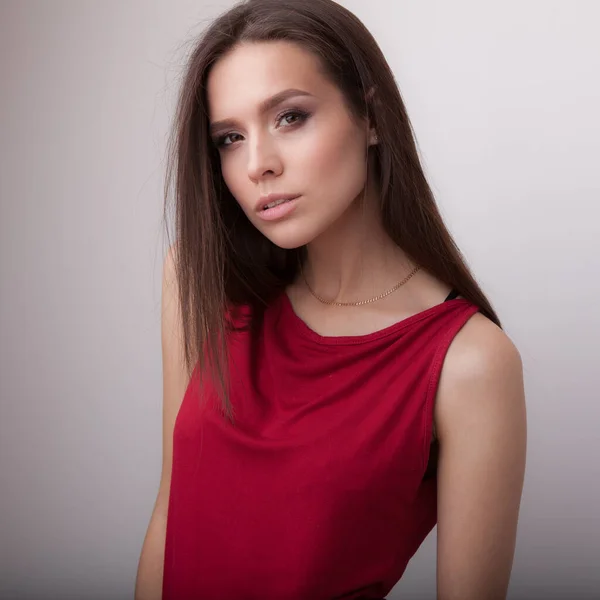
(334, 303)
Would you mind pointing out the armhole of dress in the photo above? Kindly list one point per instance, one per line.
(452, 295)
(434, 379)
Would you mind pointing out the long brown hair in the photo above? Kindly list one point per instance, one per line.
(222, 261)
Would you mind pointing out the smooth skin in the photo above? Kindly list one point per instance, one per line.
(480, 419)
(480, 416)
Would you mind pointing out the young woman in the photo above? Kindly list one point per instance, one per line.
(335, 381)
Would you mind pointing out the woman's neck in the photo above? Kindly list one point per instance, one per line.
(355, 259)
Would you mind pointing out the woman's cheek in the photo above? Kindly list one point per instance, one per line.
(235, 180)
(311, 155)
(229, 168)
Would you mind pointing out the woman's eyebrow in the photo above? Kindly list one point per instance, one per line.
(265, 106)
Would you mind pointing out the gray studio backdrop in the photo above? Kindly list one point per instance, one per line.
(504, 98)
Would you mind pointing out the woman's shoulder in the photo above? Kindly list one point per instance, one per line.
(481, 349)
(482, 376)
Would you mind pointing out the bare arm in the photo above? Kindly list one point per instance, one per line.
(481, 424)
(175, 380)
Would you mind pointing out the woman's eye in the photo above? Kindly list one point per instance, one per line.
(222, 141)
(292, 117)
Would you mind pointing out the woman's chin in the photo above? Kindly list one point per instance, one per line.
(288, 244)
(290, 240)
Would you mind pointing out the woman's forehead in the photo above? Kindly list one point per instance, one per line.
(253, 72)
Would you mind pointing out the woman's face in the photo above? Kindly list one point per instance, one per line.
(283, 129)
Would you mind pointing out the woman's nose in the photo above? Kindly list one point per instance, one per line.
(264, 160)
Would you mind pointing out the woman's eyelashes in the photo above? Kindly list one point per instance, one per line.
(300, 115)
(285, 120)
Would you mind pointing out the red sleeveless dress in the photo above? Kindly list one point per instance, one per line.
(318, 490)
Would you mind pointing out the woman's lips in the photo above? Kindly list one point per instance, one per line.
(285, 205)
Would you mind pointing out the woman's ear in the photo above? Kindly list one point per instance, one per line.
(373, 137)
